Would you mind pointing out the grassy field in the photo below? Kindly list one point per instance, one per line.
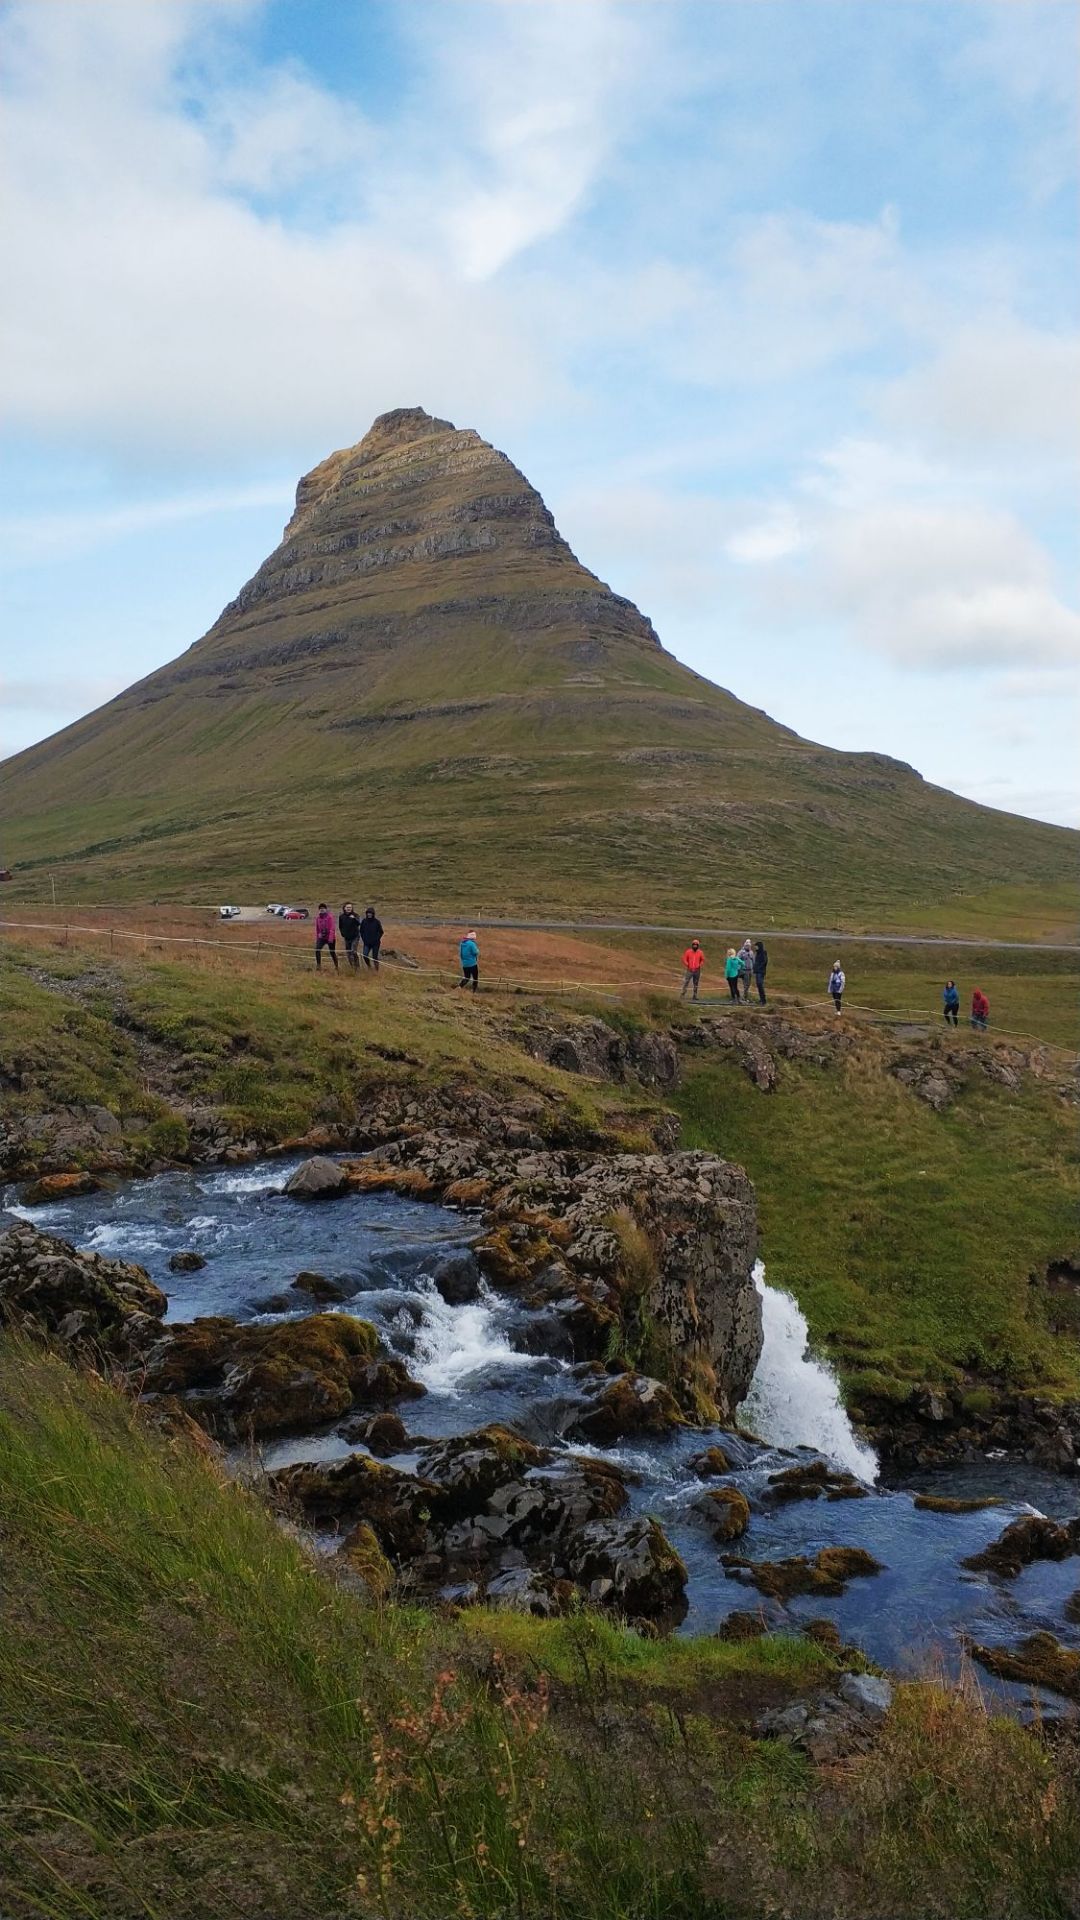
(196, 1721)
(909, 1237)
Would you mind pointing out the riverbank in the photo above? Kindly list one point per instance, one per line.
(255, 1738)
(917, 1191)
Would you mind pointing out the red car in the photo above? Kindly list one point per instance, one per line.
(296, 913)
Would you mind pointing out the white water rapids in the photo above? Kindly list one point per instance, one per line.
(794, 1400)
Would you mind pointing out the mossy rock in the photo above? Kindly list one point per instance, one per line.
(727, 1512)
(397, 1506)
(827, 1573)
(1038, 1661)
(361, 1553)
(713, 1461)
(631, 1403)
(470, 1467)
(810, 1479)
(944, 1503)
(1033, 1537)
(269, 1379)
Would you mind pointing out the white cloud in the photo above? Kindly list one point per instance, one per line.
(993, 388)
(154, 305)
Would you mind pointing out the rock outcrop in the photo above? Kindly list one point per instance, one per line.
(652, 1253)
(490, 1515)
(83, 1299)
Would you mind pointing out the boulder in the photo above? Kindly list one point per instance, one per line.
(457, 1279)
(186, 1262)
(381, 1433)
(725, 1510)
(58, 1186)
(317, 1286)
(631, 1403)
(827, 1573)
(104, 1122)
(81, 1298)
(398, 1507)
(812, 1478)
(526, 1590)
(1031, 1538)
(471, 1466)
(628, 1565)
(1038, 1661)
(317, 1179)
(259, 1379)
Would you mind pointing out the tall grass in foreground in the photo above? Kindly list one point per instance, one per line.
(198, 1723)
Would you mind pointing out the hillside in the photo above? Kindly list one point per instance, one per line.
(423, 695)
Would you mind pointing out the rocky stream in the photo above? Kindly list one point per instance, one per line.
(431, 1419)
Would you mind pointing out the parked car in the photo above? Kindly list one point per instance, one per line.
(297, 913)
(274, 907)
(229, 913)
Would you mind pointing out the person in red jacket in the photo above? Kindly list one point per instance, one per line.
(325, 935)
(980, 1010)
(693, 960)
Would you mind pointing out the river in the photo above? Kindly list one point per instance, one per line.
(486, 1361)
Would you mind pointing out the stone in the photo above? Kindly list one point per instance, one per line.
(82, 1299)
(525, 1590)
(726, 1512)
(398, 1507)
(631, 1403)
(188, 1262)
(259, 1379)
(104, 1122)
(58, 1186)
(812, 1478)
(317, 1179)
(867, 1693)
(470, 1467)
(318, 1287)
(827, 1573)
(1031, 1538)
(628, 1565)
(381, 1433)
(457, 1279)
(740, 1626)
(713, 1461)
(1038, 1661)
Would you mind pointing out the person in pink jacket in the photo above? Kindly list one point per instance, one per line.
(325, 934)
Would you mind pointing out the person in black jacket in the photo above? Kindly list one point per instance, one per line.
(761, 962)
(371, 933)
(349, 929)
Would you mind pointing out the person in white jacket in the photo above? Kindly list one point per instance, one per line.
(837, 983)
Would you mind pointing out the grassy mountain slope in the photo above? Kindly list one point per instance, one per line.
(422, 693)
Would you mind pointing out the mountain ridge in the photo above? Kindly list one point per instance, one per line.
(424, 641)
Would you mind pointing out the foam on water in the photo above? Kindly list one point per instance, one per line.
(454, 1342)
(794, 1400)
(243, 1180)
(119, 1238)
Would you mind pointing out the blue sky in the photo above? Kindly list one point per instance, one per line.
(774, 300)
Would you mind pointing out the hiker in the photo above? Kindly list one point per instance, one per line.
(349, 929)
(325, 935)
(371, 933)
(693, 960)
(950, 997)
(837, 983)
(761, 964)
(746, 966)
(470, 961)
(980, 1010)
(732, 972)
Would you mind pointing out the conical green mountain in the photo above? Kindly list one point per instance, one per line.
(424, 696)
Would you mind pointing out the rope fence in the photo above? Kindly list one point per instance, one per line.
(296, 956)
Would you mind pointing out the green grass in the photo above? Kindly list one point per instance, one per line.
(908, 1237)
(197, 1722)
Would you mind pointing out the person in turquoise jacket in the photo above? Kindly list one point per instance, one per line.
(733, 972)
(470, 962)
(950, 999)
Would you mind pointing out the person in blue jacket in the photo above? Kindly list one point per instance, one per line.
(950, 1000)
(470, 962)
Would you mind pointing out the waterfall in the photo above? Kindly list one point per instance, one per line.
(794, 1400)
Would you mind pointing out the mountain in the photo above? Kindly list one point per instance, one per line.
(423, 696)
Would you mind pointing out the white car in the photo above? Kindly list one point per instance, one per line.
(274, 907)
(229, 913)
